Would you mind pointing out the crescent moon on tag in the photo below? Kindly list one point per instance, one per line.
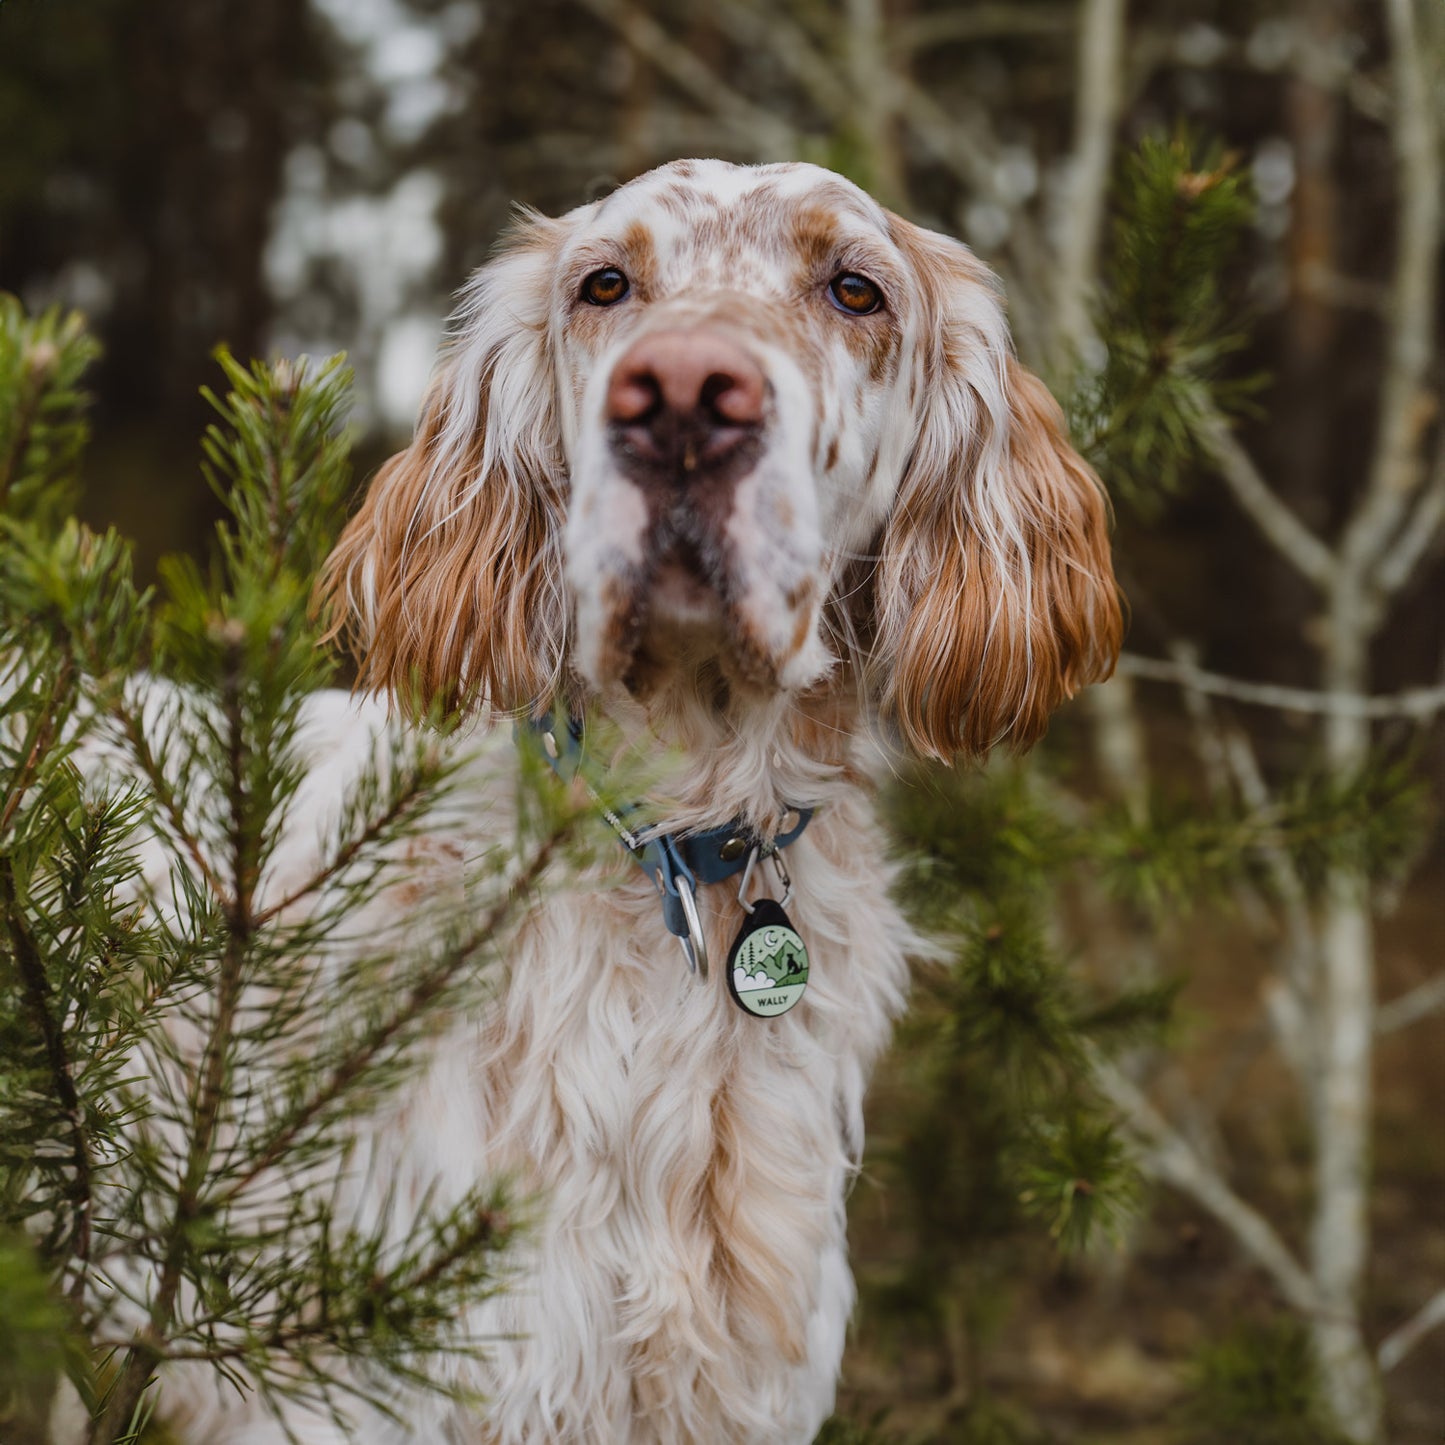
(770, 939)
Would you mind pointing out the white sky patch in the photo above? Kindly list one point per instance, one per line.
(410, 52)
(403, 364)
(385, 247)
(1274, 170)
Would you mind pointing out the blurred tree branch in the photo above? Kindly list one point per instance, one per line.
(1420, 703)
(1399, 1342)
(1172, 1159)
(1419, 1003)
(981, 22)
(769, 137)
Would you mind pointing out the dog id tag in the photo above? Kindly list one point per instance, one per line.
(768, 964)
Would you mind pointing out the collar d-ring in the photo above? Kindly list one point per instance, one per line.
(694, 946)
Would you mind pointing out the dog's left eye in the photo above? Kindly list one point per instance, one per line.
(854, 294)
(605, 287)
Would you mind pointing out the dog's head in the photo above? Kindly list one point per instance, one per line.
(743, 425)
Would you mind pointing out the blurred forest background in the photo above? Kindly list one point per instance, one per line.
(285, 176)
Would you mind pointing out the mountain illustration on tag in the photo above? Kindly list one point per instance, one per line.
(767, 968)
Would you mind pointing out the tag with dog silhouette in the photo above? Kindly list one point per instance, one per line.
(768, 964)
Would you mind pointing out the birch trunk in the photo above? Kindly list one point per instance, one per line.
(1345, 1016)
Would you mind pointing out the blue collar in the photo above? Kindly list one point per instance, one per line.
(675, 862)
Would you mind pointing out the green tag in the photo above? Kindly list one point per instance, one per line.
(768, 963)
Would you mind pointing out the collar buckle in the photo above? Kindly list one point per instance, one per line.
(677, 863)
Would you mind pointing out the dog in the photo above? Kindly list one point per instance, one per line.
(744, 464)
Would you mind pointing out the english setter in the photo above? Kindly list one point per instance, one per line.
(746, 463)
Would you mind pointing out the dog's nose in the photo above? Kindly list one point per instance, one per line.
(685, 398)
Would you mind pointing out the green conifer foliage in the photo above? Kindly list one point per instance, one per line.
(163, 1068)
(1257, 1385)
(1167, 321)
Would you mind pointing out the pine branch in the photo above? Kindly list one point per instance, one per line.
(36, 366)
(1165, 321)
(420, 998)
(148, 1350)
(42, 427)
(30, 965)
(164, 793)
(375, 829)
(38, 741)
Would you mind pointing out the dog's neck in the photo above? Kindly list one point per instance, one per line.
(753, 757)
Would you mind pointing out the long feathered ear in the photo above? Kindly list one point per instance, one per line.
(995, 595)
(447, 582)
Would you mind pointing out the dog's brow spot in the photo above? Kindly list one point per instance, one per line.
(814, 240)
(641, 255)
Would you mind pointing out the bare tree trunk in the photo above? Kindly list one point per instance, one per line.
(1342, 1104)
(1118, 731)
(1358, 597)
(1096, 111)
(1119, 747)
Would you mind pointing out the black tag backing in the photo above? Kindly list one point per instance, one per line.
(768, 962)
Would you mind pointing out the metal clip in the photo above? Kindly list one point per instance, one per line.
(694, 946)
(776, 859)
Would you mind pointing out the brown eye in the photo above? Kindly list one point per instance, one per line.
(605, 287)
(854, 294)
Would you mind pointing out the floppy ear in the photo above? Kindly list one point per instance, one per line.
(448, 580)
(995, 595)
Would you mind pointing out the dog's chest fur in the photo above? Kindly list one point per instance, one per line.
(685, 1279)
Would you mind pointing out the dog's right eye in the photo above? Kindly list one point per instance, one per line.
(605, 287)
